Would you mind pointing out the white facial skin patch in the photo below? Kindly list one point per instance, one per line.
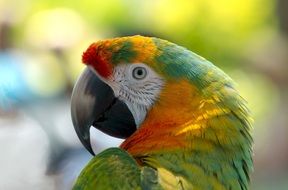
(138, 86)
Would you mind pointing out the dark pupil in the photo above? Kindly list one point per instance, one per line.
(139, 72)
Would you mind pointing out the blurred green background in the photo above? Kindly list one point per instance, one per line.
(41, 43)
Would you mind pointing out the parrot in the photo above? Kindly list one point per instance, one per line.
(185, 125)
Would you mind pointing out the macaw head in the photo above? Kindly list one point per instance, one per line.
(148, 90)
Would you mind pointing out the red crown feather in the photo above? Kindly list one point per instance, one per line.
(94, 56)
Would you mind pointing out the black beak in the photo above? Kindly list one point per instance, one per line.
(94, 104)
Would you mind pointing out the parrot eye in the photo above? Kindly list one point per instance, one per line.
(139, 73)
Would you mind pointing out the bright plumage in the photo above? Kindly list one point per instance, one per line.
(185, 125)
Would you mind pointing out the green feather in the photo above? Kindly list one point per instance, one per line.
(115, 169)
(112, 169)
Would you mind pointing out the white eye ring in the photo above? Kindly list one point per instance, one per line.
(139, 73)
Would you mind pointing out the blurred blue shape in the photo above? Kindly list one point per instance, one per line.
(13, 87)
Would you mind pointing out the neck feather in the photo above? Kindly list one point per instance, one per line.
(186, 119)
